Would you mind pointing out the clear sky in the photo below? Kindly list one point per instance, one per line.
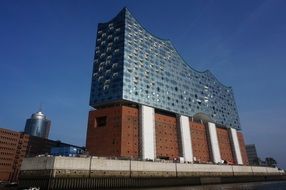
(47, 47)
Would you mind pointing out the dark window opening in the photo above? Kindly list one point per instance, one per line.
(101, 121)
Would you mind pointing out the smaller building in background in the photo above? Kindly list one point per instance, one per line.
(252, 155)
(14, 146)
(270, 162)
(66, 151)
(40, 146)
(38, 125)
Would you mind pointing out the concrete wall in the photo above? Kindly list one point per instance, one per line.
(203, 170)
(214, 143)
(241, 170)
(109, 168)
(110, 165)
(272, 170)
(66, 173)
(152, 169)
(242, 148)
(99, 167)
(259, 170)
(186, 141)
(37, 167)
(72, 167)
(71, 163)
(147, 125)
(235, 144)
(38, 163)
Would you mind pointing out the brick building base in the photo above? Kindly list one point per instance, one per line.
(115, 132)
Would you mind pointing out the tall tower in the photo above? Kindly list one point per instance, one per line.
(38, 125)
(151, 104)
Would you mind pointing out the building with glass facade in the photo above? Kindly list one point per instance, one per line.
(139, 76)
(38, 125)
(66, 151)
(252, 154)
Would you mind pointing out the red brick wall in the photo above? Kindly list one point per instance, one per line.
(105, 140)
(8, 148)
(120, 135)
(200, 142)
(225, 145)
(130, 132)
(242, 148)
(13, 147)
(166, 136)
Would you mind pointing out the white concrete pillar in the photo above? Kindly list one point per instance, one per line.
(235, 145)
(148, 137)
(186, 140)
(214, 143)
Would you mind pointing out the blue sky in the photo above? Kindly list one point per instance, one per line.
(47, 47)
